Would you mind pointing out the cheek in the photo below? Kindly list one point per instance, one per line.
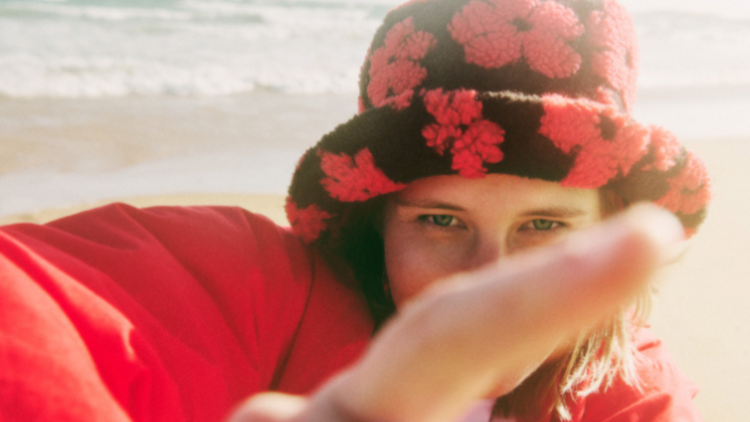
(404, 265)
(413, 265)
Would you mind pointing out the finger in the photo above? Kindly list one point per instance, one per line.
(461, 339)
(269, 407)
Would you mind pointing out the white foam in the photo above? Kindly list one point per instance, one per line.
(729, 9)
(209, 48)
(197, 49)
(77, 77)
(101, 13)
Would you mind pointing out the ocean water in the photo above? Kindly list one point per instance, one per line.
(695, 56)
(96, 48)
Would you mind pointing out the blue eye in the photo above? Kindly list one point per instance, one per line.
(441, 220)
(543, 225)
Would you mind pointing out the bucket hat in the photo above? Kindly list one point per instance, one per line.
(540, 89)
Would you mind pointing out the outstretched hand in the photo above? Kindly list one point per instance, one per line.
(484, 332)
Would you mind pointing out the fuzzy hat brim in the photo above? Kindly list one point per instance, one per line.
(576, 142)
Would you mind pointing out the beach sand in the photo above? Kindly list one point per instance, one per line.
(59, 153)
(93, 135)
(700, 313)
(702, 310)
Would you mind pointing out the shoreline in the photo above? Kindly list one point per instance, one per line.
(269, 205)
(57, 153)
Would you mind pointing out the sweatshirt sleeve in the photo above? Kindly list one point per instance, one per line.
(167, 313)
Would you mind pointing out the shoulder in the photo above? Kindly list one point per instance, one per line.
(118, 222)
(664, 393)
(208, 304)
(178, 264)
(656, 369)
(193, 236)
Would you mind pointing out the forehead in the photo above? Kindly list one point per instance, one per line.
(497, 192)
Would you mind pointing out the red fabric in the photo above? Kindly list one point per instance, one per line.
(165, 314)
(666, 394)
(177, 314)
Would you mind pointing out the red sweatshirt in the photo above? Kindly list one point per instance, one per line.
(172, 314)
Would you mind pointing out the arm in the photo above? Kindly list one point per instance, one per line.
(158, 314)
(441, 353)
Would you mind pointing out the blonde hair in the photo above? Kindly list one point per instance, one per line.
(599, 357)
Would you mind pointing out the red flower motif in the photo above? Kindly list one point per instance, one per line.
(612, 36)
(500, 32)
(689, 191)
(472, 140)
(666, 148)
(357, 179)
(394, 68)
(604, 142)
(307, 223)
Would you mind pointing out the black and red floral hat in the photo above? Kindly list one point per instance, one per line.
(535, 88)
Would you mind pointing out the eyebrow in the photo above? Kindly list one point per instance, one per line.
(557, 212)
(429, 203)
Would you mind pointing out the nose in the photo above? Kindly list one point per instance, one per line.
(488, 248)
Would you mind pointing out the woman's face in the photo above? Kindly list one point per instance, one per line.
(442, 225)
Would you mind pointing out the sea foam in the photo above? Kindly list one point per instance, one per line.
(72, 49)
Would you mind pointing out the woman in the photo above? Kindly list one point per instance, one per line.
(537, 92)
(486, 129)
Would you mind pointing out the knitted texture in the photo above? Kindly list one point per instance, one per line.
(356, 179)
(615, 56)
(605, 144)
(308, 222)
(687, 194)
(461, 128)
(535, 88)
(502, 32)
(394, 67)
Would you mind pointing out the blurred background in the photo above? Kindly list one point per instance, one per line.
(105, 100)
